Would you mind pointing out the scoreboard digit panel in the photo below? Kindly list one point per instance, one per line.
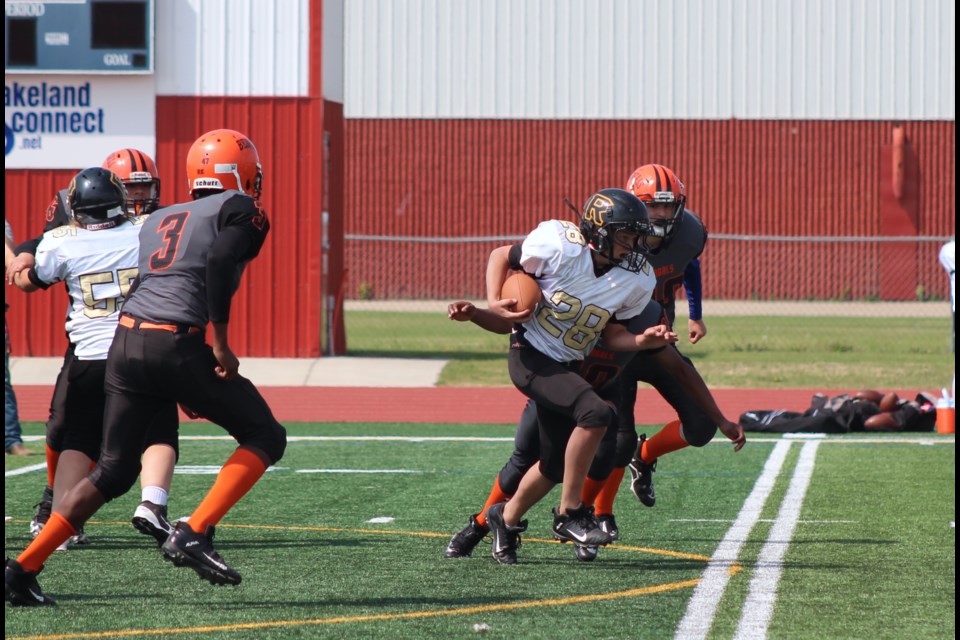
(79, 36)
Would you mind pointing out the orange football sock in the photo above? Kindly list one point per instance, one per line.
(591, 489)
(235, 479)
(53, 534)
(666, 441)
(604, 504)
(52, 458)
(496, 495)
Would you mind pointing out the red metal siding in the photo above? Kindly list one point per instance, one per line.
(429, 178)
(276, 312)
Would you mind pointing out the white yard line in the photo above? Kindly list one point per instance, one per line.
(22, 470)
(758, 608)
(702, 608)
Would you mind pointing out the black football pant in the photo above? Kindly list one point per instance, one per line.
(148, 372)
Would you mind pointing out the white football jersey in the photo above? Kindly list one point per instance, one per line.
(576, 303)
(98, 268)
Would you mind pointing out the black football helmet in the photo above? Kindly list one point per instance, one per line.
(611, 210)
(97, 198)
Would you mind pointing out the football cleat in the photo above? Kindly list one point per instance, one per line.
(585, 553)
(641, 474)
(579, 526)
(506, 539)
(44, 509)
(464, 541)
(609, 524)
(185, 548)
(151, 520)
(20, 587)
(79, 538)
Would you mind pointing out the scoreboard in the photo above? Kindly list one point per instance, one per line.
(79, 36)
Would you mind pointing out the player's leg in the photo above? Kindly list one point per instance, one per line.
(237, 406)
(567, 397)
(55, 426)
(694, 427)
(526, 452)
(115, 473)
(82, 434)
(156, 475)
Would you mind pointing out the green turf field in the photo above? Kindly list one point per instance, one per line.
(855, 540)
(743, 351)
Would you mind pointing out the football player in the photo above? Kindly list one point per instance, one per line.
(594, 278)
(673, 252)
(194, 253)
(674, 256)
(138, 173)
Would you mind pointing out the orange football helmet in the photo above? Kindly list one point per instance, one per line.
(224, 159)
(656, 184)
(134, 167)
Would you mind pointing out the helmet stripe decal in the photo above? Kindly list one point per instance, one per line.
(133, 161)
(143, 161)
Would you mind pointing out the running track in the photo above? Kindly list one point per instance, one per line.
(471, 405)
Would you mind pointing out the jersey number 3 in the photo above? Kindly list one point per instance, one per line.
(170, 229)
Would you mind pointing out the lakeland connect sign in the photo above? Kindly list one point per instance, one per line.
(71, 122)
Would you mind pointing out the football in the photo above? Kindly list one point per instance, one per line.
(522, 288)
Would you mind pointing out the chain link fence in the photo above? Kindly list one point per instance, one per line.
(780, 311)
(742, 275)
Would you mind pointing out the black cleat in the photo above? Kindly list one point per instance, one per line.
(642, 477)
(506, 539)
(185, 548)
(585, 553)
(464, 541)
(20, 587)
(579, 526)
(609, 524)
(44, 509)
(151, 520)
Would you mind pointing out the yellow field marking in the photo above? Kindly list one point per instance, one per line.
(381, 617)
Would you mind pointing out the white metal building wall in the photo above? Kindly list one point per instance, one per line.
(232, 47)
(695, 59)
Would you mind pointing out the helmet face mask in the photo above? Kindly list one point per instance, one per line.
(615, 219)
(660, 189)
(97, 198)
(135, 168)
(224, 159)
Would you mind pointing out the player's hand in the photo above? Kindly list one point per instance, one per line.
(734, 433)
(505, 309)
(21, 262)
(229, 364)
(657, 336)
(461, 311)
(696, 330)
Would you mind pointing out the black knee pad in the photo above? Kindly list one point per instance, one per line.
(698, 432)
(552, 470)
(626, 448)
(512, 472)
(271, 439)
(590, 411)
(114, 478)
